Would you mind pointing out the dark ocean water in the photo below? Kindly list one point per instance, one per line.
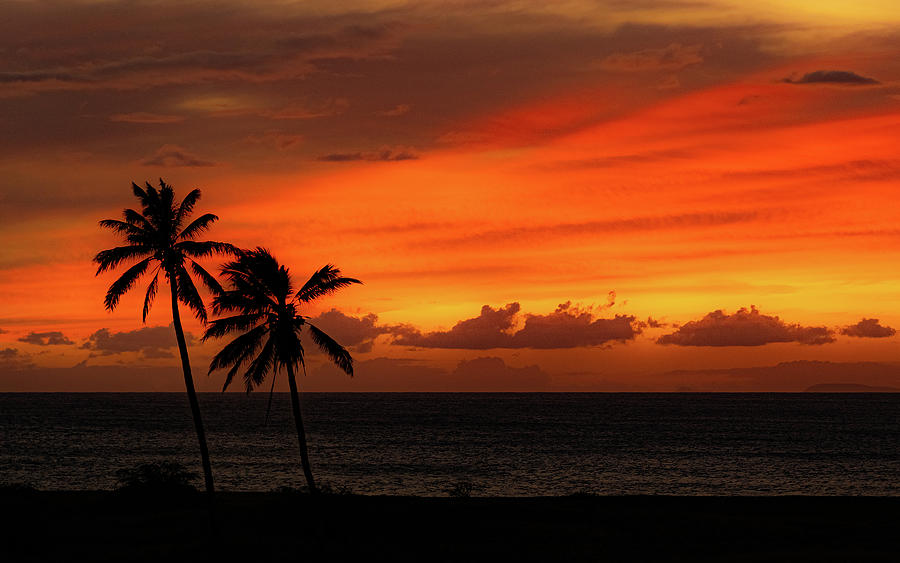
(507, 444)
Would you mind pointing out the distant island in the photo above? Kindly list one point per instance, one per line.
(849, 388)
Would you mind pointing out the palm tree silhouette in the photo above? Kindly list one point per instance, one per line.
(264, 307)
(157, 237)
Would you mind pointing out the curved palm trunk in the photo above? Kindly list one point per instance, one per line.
(301, 435)
(192, 399)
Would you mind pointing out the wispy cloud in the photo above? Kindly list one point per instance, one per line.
(170, 156)
(383, 155)
(145, 117)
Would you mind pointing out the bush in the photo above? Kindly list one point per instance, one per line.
(324, 488)
(165, 478)
(462, 489)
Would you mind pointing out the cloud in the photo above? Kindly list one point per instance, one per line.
(54, 338)
(746, 327)
(3, 331)
(571, 327)
(482, 374)
(490, 329)
(13, 359)
(383, 155)
(309, 110)
(635, 224)
(150, 342)
(567, 327)
(673, 57)
(275, 139)
(172, 155)
(858, 170)
(144, 117)
(618, 160)
(232, 54)
(357, 332)
(395, 111)
(868, 328)
(843, 77)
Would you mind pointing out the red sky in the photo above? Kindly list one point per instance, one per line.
(644, 195)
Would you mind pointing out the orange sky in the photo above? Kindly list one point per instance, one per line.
(689, 158)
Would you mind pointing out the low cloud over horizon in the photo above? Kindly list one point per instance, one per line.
(569, 326)
(868, 328)
(746, 327)
(150, 341)
(839, 77)
(52, 338)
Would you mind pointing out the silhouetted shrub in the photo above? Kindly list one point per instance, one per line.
(324, 488)
(165, 478)
(462, 489)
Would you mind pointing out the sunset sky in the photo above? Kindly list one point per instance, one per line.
(647, 195)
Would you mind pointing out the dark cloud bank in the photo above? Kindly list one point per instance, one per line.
(52, 338)
(149, 341)
(868, 328)
(840, 77)
(749, 327)
(746, 327)
(569, 326)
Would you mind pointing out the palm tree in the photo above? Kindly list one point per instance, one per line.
(264, 307)
(158, 238)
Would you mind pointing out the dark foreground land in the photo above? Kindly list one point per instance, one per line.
(101, 526)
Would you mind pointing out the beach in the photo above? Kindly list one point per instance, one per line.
(109, 526)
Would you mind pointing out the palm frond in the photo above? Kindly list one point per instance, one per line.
(125, 282)
(218, 328)
(186, 207)
(187, 293)
(257, 280)
(325, 281)
(237, 352)
(133, 217)
(338, 354)
(109, 259)
(167, 196)
(238, 349)
(205, 249)
(261, 365)
(139, 192)
(198, 226)
(122, 227)
(150, 296)
(208, 279)
(232, 301)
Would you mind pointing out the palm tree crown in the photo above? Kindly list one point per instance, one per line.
(158, 235)
(265, 310)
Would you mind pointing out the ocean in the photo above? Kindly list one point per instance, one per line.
(504, 444)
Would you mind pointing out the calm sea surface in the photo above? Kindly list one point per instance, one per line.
(507, 444)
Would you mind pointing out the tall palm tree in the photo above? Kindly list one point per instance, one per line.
(159, 238)
(264, 307)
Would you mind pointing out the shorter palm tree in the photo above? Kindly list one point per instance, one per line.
(263, 308)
